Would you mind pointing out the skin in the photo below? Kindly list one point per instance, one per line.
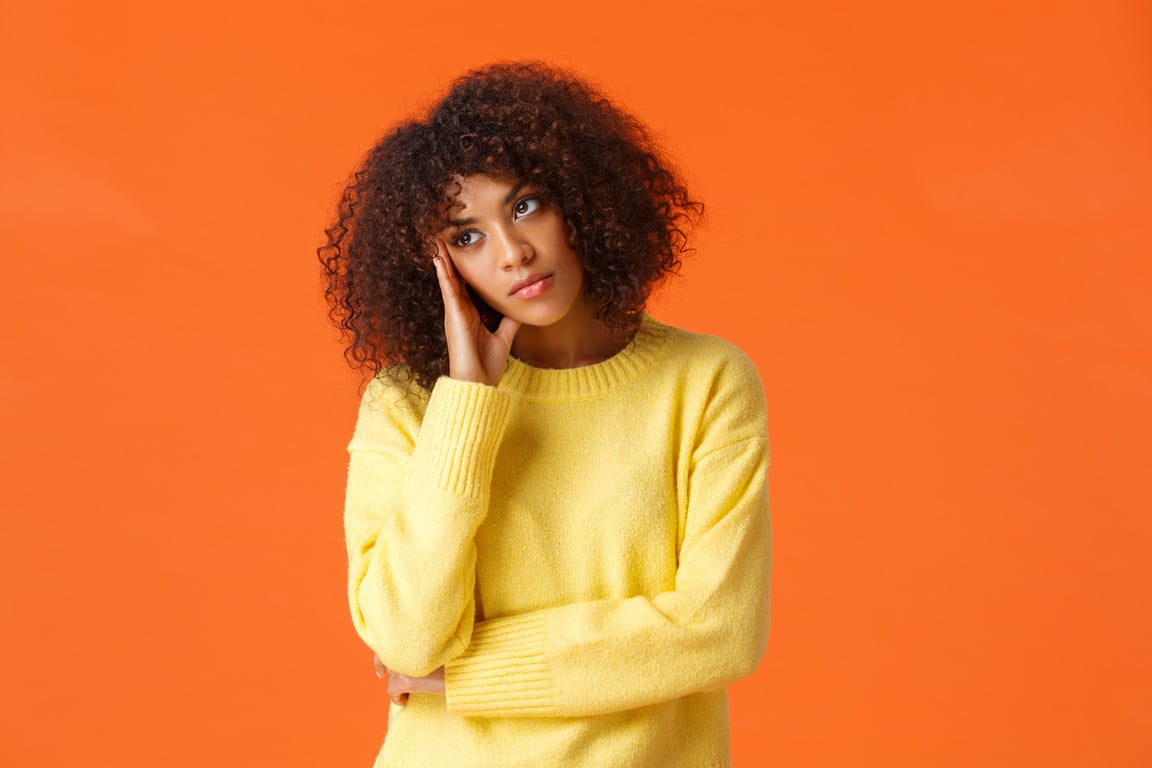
(504, 234)
(501, 232)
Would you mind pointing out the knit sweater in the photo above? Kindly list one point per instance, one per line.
(586, 551)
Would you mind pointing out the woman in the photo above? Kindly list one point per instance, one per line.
(556, 518)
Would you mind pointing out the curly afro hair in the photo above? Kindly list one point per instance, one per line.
(528, 121)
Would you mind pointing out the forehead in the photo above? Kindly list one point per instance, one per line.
(476, 189)
(475, 197)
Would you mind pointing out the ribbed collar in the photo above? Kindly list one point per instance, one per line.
(588, 380)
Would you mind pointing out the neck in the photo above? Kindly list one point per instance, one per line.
(576, 340)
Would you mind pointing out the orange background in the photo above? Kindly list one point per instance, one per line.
(928, 225)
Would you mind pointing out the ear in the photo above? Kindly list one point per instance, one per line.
(573, 238)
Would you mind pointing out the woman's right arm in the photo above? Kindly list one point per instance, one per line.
(417, 492)
(418, 481)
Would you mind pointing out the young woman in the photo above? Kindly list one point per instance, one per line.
(556, 519)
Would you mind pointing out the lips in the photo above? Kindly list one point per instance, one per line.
(527, 287)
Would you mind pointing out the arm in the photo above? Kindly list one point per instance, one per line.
(417, 492)
(708, 630)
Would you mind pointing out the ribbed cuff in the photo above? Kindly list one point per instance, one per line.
(460, 434)
(504, 672)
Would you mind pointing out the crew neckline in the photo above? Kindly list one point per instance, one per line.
(585, 381)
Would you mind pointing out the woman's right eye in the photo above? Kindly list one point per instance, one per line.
(465, 239)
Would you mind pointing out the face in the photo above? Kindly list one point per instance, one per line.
(515, 249)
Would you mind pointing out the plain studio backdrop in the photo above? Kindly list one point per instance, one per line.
(927, 224)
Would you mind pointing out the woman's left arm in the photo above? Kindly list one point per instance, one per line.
(609, 655)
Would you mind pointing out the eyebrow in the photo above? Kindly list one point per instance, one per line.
(507, 199)
(515, 191)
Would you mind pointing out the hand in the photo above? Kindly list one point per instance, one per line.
(474, 353)
(399, 686)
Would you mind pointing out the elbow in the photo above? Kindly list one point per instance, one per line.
(751, 640)
(745, 650)
(415, 662)
(415, 645)
(409, 637)
(755, 644)
(412, 656)
(737, 660)
(747, 660)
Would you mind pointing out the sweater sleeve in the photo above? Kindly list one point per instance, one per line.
(608, 655)
(417, 492)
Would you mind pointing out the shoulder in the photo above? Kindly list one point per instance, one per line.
(718, 384)
(391, 409)
(705, 355)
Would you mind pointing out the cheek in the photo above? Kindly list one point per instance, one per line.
(465, 270)
(473, 281)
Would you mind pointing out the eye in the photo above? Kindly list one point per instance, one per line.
(527, 205)
(466, 238)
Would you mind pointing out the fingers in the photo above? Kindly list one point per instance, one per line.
(446, 276)
(398, 685)
(452, 288)
(459, 311)
(398, 688)
(474, 354)
(507, 331)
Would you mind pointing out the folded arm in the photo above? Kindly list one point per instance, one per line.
(608, 655)
(417, 492)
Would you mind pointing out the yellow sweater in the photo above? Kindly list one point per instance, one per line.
(586, 551)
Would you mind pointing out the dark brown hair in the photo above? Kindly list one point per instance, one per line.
(596, 163)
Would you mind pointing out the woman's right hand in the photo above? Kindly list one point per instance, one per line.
(474, 353)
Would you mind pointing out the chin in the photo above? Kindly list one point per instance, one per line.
(540, 316)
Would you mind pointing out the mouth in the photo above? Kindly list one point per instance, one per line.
(532, 285)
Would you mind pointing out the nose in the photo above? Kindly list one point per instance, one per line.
(513, 248)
